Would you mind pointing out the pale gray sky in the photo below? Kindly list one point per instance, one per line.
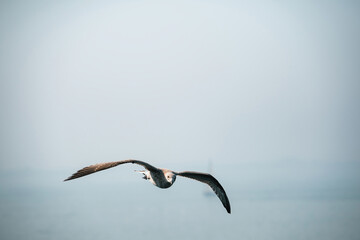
(178, 81)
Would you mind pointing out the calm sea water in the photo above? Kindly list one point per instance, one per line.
(130, 208)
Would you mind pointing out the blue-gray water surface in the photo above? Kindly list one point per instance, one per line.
(127, 207)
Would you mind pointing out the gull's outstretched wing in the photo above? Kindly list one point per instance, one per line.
(102, 166)
(212, 182)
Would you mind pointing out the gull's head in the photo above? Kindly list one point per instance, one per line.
(170, 176)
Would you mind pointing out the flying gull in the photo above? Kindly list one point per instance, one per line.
(162, 178)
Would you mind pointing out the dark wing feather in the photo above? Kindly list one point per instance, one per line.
(212, 182)
(102, 166)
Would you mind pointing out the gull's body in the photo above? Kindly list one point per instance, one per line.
(162, 178)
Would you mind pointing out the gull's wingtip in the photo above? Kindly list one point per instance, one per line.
(228, 210)
(69, 178)
(228, 207)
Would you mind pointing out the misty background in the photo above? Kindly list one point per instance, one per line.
(268, 91)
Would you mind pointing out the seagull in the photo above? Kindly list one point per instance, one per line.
(162, 178)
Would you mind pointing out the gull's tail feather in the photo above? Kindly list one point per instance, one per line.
(143, 172)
